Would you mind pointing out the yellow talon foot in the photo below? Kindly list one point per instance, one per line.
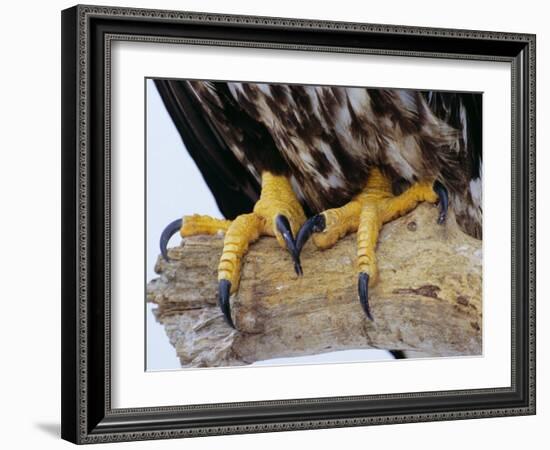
(191, 226)
(197, 224)
(277, 213)
(365, 214)
(244, 230)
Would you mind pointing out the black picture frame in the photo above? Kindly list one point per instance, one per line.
(87, 415)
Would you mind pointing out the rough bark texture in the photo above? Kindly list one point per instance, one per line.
(428, 299)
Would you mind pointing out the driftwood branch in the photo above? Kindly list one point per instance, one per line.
(428, 299)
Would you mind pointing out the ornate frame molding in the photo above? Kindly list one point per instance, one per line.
(87, 421)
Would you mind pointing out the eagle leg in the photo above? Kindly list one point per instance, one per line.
(277, 213)
(366, 213)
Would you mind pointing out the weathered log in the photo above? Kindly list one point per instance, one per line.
(428, 299)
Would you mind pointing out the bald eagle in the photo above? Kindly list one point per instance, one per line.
(300, 161)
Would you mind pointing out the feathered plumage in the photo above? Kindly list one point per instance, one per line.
(327, 139)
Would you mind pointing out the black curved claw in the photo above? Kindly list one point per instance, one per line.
(312, 225)
(224, 292)
(443, 195)
(283, 226)
(363, 288)
(171, 229)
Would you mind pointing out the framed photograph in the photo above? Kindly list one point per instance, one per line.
(281, 224)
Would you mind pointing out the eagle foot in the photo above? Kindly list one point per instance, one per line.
(365, 214)
(191, 226)
(277, 213)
